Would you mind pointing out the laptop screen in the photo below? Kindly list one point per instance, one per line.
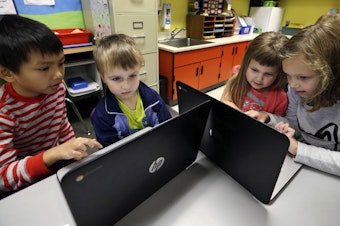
(248, 150)
(102, 191)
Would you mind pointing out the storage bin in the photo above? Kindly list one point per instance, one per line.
(245, 29)
(72, 36)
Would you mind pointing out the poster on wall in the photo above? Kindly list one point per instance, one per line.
(39, 2)
(7, 7)
(60, 15)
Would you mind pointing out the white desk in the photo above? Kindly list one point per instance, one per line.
(201, 195)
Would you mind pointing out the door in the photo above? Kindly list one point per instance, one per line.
(226, 62)
(240, 49)
(187, 74)
(209, 72)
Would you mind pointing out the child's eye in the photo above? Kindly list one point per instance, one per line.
(43, 69)
(133, 75)
(303, 77)
(116, 79)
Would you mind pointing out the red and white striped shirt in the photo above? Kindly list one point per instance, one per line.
(28, 127)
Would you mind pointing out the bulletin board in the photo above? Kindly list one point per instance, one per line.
(61, 14)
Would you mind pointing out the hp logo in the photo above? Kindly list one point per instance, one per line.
(156, 165)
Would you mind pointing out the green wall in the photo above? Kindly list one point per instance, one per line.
(179, 9)
(305, 12)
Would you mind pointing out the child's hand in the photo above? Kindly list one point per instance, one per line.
(73, 149)
(261, 116)
(289, 132)
(230, 103)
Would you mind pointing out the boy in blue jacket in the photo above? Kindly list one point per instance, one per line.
(128, 105)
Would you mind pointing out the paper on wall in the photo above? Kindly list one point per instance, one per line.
(7, 7)
(39, 2)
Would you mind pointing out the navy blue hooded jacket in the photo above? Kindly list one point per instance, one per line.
(111, 124)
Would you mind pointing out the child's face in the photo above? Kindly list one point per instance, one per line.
(122, 83)
(40, 75)
(261, 77)
(300, 77)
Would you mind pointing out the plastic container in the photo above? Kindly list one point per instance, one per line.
(245, 30)
(72, 36)
(77, 83)
(269, 3)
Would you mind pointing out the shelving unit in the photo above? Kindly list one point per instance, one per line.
(79, 62)
(207, 27)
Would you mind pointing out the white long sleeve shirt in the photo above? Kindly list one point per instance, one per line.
(318, 133)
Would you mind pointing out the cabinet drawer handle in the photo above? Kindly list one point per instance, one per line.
(196, 71)
(202, 69)
(138, 36)
(143, 74)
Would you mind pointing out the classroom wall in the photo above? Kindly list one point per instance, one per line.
(68, 14)
(304, 12)
(64, 14)
(178, 14)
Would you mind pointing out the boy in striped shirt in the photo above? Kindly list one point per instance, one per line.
(34, 130)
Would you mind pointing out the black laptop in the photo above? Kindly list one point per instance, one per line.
(251, 152)
(105, 187)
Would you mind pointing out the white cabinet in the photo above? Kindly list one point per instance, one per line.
(136, 18)
(139, 27)
(135, 6)
(148, 70)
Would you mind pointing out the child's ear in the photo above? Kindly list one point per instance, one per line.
(6, 74)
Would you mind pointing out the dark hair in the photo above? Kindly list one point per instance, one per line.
(20, 36)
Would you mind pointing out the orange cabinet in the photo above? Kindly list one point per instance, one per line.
(232, 55)
(197, 68)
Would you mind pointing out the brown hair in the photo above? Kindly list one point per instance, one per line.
(265, 50)
(117, 50)
(320, 46)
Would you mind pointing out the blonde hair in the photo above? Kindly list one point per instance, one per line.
(265, 50)
(117, 50)
(320, 46)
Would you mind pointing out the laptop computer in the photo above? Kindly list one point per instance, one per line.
(103, 189)
(252, 153)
